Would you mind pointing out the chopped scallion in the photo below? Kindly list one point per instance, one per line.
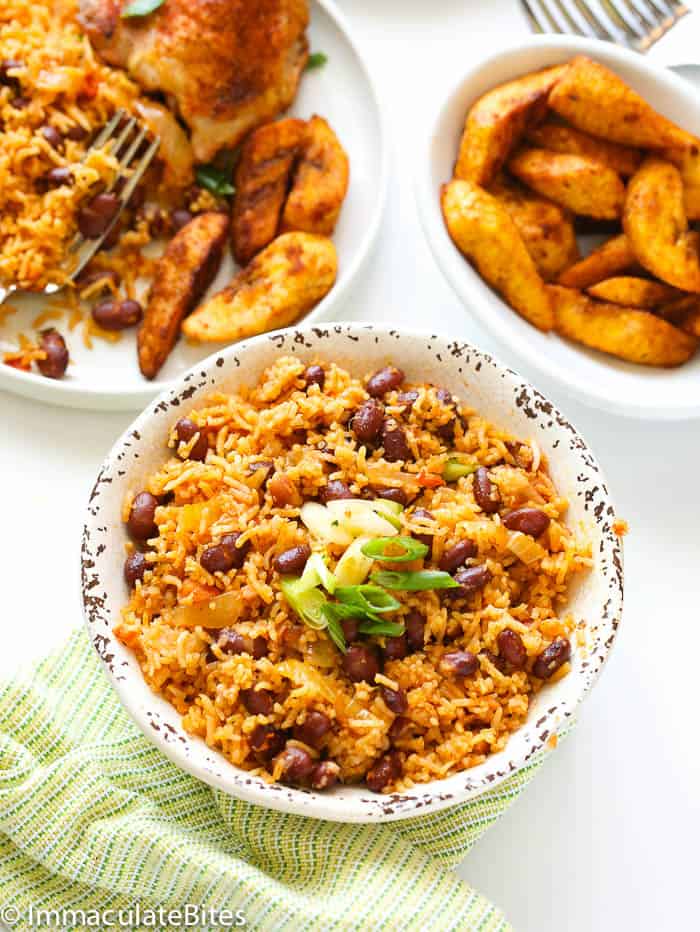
(419, 581)
(455, 469)
(412, 549)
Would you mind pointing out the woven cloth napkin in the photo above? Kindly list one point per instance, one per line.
(94, 817)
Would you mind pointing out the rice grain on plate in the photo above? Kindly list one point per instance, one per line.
(218, 637)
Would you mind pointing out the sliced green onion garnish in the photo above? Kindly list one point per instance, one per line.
(367, 598)
(335, 633)
(389, 629)
(418, 581)
(339, 611)
(412, 549)
(307, 603)
(455, 469)
(317, 569)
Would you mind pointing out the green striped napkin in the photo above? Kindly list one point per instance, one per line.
(94, 818)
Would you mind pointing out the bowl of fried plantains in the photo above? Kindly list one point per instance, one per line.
(559, 189)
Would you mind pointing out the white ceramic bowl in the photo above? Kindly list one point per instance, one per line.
(502, 397)
(585, 374)
(107, 376)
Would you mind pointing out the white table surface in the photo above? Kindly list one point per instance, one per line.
(606, 836)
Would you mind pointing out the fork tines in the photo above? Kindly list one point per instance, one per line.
(128, 138)
(636, 23)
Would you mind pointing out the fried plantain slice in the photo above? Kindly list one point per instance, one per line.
(629, 291)
(630, 334)
(320, 182)
(556, 136)
(483, 230)
(596, 100)
(546, 228)
(182, 275)
(613, 257)
(656, 226)
(262, 180)
(575, 181)
(496, 122)
(687, 161)
(284, 281)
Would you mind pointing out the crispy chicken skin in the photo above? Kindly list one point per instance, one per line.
(183, 273)
(229, 65)
(284, 281)
(263, 176)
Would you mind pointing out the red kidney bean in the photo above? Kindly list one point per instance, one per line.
(266, 741)
(135, 566)
(298, 436)
(395, 442)
(58, 177)
(56, 362)
(89, 276)
(112, 238)
(511, 648)
(360, 663)
(529, 521)
(180, 218)
(395, 699)
(393, 495)
(486, 494)
(325, 775)
(292, 562)
(470, 580)
(283, 490)
(225, 556)
(96, 216)
(230, 641)
(396, 648)
(415, 630)
(312, 730)
(552, 657)
(387, 769)
(185, 430)
(76, 133)
(455, 556)
(350, 628)
(52, 136)
(142, 524)
(117, 315)
(334, 491)
(297, 764)
(314, 375)
(459, 663)
(257, 701)
(398, 727)
(367, 421)
(383, 381)
(446, 432)
(407, 399)
(20, 103)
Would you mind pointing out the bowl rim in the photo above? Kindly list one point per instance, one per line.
(209, 765)
(466, 283)
(98, 397)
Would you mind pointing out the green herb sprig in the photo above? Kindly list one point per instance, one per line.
(214, 180)
(316, 60)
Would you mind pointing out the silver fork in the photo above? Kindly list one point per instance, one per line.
(635, 23)
(128, 137)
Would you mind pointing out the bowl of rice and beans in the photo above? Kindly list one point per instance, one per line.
(352, 573)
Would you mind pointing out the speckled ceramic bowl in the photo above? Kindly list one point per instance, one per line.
(502, 397)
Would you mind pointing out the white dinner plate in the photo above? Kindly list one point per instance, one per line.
(107, 377)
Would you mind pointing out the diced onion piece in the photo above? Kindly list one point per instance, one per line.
(359, 517)
(525, 548)
(353, 567)
(324, 525)
(322, 654)
(220, 612)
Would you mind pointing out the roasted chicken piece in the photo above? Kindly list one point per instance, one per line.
(228, 65)
(183, 273)
(282, 282)
(263, 176)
